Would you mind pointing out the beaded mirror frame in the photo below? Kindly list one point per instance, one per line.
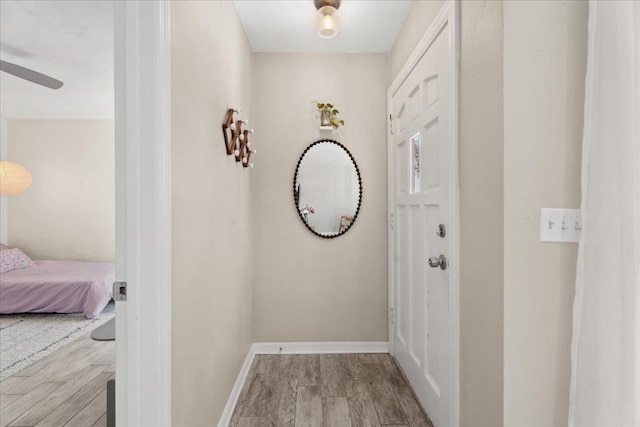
(341, 231)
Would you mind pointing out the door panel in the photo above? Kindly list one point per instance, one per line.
(431, 154)
(416, 345)
(403, 276)
(420, 162)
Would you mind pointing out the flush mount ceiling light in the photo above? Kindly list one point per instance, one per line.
(327, 19)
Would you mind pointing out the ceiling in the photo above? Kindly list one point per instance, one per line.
(368, 26)
(71, 41)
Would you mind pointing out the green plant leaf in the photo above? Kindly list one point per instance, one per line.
(329, 106)
(320, 106)
(342, 121)
(334, 112)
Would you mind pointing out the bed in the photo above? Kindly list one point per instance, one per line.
(57, 287)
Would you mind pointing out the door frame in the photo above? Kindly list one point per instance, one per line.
(449, 13)
(142, 70)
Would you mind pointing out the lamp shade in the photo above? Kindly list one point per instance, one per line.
(14, 178)
(327, 22)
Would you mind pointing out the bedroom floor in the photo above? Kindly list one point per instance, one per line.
(344, 390)
(65, 388)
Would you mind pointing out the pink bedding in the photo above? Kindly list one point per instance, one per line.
(57, 287)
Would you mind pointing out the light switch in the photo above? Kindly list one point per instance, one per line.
(560, 225)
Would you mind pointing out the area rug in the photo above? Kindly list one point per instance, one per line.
(27, 338)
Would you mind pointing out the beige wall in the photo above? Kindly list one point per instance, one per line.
(69, 210)
(308, 288)
(212, 228)
(481, 217)
(544, 70)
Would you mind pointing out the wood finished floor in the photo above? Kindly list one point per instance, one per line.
(66, 388)
(342, 390)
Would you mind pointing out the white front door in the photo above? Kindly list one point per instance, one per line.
(422, 193)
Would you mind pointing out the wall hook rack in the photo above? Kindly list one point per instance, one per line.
(236, 139)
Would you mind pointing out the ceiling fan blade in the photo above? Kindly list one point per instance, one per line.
(30, 75)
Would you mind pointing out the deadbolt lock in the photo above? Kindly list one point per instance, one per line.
(442, 231)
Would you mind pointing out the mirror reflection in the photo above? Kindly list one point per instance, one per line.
(327, 188)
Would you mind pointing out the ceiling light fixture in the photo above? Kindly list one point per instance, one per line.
(327, 19)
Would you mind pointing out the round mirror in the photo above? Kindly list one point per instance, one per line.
(327, 188)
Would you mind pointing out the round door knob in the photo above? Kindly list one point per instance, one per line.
(440, 261)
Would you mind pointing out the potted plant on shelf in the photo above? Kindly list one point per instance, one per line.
(328, 115)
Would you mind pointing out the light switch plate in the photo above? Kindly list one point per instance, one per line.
(560, 225)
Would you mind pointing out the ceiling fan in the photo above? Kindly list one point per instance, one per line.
(30, 75)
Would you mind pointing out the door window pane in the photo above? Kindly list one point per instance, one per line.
(415, 162)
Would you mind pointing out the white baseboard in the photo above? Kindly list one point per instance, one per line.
(321, 347)
(237, 388)
(294, 348)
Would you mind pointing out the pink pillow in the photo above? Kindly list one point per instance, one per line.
(14, 259)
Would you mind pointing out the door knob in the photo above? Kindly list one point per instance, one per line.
(440, 261)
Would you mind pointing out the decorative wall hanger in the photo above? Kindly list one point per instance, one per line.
(236, 139)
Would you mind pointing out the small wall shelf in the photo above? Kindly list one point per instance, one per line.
(236, 139)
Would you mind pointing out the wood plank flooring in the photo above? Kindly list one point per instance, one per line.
(327, 390)
(65, 388)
